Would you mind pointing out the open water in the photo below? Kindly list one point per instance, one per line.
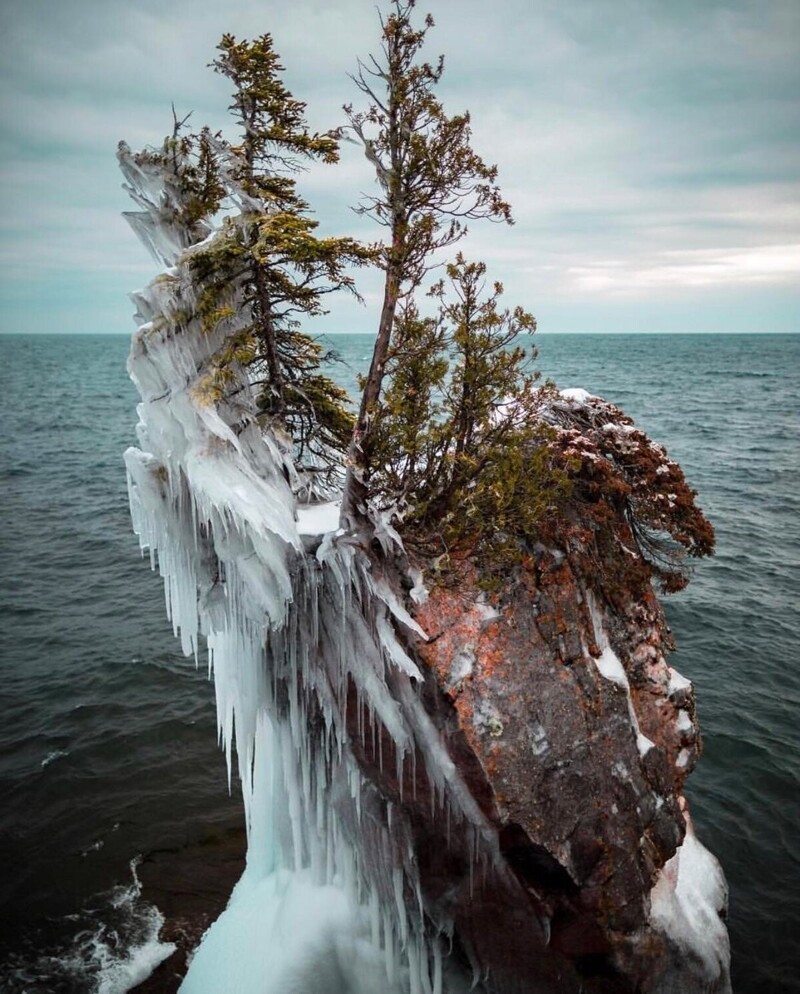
(107, 734)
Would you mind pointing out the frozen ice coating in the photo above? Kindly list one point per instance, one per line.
(285, 933)
(293, 639)
(318, 519)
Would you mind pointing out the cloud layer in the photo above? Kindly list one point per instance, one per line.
(650, 149)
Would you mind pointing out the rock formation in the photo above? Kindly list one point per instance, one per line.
(446, 789)
(579, 737)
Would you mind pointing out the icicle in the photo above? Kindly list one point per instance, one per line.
(397, 884)
(389, 949)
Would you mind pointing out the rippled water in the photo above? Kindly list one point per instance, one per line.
(107, 735)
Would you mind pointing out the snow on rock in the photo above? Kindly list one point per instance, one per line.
(677, 683)
(689, 903)
(609, 665)
(318, 519)
(577, 394)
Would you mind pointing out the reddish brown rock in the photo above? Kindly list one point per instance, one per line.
(584, 811)
(556, 744)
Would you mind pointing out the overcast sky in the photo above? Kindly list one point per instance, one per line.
(650, 149)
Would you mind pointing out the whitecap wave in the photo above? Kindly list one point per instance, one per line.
(115, 946)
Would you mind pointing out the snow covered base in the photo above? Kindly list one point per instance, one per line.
(282, 932)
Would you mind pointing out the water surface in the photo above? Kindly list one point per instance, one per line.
(107, 734)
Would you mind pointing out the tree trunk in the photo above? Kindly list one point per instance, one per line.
(354, 498)
(266, 333)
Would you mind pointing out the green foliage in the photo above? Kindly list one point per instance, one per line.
(431, 182)
(407, 430)
(265, 269)
(431, 178)
(631, 516)
(459, 444)
(271, 255)
(193, 191)
(278, 270)
(239, 349)
(478, 460)
(317, 411)
(275, 138)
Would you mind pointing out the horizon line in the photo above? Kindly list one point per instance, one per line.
(372, 334)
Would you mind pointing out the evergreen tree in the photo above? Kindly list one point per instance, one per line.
(408, 438)
(431, 182)
(477, 460)
(266, 269)
(184, 167)
(460, 448)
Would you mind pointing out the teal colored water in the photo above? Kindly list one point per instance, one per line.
(107, 734)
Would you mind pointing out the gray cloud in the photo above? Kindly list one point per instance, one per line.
(649, 147)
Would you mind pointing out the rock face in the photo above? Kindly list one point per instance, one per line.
(556, 740)
(581, 739)
(555, 702)
(575, 738)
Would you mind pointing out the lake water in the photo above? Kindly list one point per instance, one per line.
(107, 734)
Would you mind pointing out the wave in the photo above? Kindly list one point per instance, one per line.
(114, 947)
(53, 756)
(743, 374)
